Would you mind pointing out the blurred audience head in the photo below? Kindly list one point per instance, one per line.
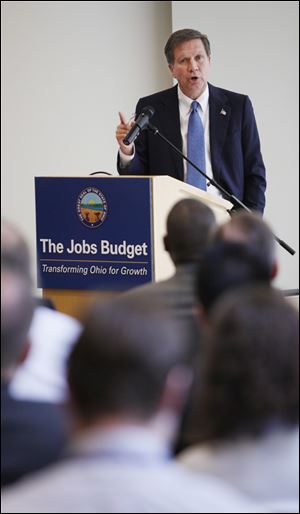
(252, 230)
(190, 224)
(15, 256)
(129, 363)
(16, 298)
(250, 366)
(226, 266)
(17, 307)
(15, 253)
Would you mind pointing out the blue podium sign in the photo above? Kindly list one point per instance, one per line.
(94, 233)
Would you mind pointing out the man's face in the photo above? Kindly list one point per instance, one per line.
(191, 67)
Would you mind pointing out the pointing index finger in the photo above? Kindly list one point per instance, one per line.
(122, 118)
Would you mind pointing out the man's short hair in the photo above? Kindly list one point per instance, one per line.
(252, 230)
(190, 225)
(225, 266)
(121, 361)
(182, 36)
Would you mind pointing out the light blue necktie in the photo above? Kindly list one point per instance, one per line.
(196, 148)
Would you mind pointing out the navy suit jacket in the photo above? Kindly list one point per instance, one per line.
(33, 435)
(234, 143)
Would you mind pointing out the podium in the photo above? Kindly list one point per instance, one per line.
(102, 235)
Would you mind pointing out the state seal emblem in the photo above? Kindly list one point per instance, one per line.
(91, 207)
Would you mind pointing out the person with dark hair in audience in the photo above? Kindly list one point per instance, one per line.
(33, 434)
(128, 377)
(41, 377)
(226, 266)
(190, 225)
(245, 428)
(251, 230)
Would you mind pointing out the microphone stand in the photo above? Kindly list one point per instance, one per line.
(233, 199)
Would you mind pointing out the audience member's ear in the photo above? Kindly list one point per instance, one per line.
(24, 352)
(275, 269)
(176, 389)
(166, 243)
(201, 315)
(172, 402)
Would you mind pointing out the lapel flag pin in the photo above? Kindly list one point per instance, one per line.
(223, 112)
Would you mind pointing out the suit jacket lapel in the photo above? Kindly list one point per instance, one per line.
(219, 117)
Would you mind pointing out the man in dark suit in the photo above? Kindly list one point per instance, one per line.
(33, 433)
(190, 227)
(232, 147)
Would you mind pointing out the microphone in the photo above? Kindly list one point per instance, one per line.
(139, 125)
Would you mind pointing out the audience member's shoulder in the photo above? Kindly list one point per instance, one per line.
(167, 489)
(33, 417)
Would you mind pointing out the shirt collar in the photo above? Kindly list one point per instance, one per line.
(185, 101)
(128, 440)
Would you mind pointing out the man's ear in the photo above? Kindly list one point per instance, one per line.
(171, 68)
(201, 315)
(275, 269)
(176, 388)
(166, 244)
(24, 352)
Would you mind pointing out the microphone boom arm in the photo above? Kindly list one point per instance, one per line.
(235, 201)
